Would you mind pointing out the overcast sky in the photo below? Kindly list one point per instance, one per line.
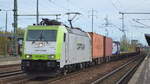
(102, 9)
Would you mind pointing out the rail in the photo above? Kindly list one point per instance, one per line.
(126, 76)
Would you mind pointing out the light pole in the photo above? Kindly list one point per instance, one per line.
(92, 15)
(37, 12)
(0, 11)
(106, 30)
(6, 22)
(15, 10)
(6, 19)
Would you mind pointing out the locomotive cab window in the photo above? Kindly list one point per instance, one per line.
(41, 35)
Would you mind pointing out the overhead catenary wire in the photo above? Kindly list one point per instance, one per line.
(116, 8)
(143, 27)
(120, 4)
(140, 23)
(75, 6)
(77, 18)
(67, 9)
(114, 5)
(53, 3)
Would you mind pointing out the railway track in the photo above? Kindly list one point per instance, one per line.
(11, 65)
(6, 77)
(50, 80)
(10, 73)
(9, 68)
(122, 74)
(18, 77)
(71, 77)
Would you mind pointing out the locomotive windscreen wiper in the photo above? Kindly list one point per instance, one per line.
(41, 37)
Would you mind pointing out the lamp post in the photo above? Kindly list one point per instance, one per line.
(37, 12)
(0, 10)
(5, 45)
(6, 19)
(6, 26)
(6, 22)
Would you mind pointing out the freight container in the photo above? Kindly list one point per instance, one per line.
(97, 45)
(108, 46)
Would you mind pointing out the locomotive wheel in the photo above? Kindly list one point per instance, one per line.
(65, 70)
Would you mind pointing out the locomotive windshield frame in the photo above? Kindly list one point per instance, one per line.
(42, 35)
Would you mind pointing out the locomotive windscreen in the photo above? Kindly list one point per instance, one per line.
(41, 35)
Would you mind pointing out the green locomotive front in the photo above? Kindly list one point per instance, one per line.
(42, 48)
(55, 47)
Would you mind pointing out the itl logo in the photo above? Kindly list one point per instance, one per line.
(80, 46)
(39, 44)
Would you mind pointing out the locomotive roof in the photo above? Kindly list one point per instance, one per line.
(46, 21)
(70, 30)
(77, 31)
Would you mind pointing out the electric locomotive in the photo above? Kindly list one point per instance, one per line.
(52, 46)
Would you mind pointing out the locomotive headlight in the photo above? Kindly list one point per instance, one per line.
(40, 45)
(51, 57)
(28, 56)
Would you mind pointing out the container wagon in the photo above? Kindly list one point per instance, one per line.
(97, 42)
(107, 48)
(101, 47)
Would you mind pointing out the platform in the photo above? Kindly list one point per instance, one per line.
(142, 75)
(9, 60)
